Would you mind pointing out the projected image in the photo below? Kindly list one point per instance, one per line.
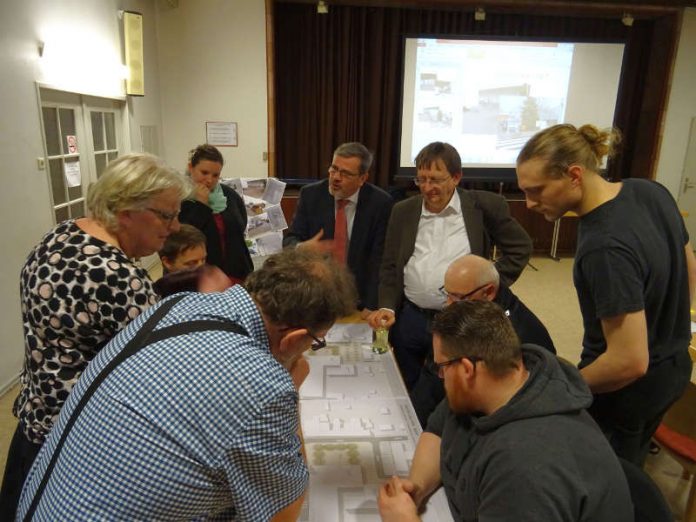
(488, 97)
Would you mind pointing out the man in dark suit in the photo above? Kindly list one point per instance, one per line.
(425, 234)
(473, 278)
(346, 197)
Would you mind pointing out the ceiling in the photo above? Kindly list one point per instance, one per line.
(638, 8)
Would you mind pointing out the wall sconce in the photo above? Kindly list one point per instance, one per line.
(133, 43)
(41, 46)
(627, 19)
(322, 7)
(480, 14)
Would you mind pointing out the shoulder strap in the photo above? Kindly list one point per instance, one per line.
(145, 336)
(196, 326)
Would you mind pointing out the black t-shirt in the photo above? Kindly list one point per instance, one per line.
(631, 257)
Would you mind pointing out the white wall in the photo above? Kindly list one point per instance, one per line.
(213, 68)
(91, 30)
(681, 108)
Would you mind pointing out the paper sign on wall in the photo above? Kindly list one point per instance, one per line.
(72, 144)
(221, 133)
(73, 177)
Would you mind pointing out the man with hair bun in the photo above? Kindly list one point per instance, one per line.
(635, 276)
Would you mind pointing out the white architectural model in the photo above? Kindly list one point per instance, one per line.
(359, 430)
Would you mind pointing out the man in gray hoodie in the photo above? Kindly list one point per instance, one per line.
(512, 440)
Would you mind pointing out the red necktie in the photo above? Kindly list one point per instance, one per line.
(341, 231)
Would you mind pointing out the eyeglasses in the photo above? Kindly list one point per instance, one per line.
(460, 297)
(166, 217)
(439, 368)
(334, 171)
(317, 343)
(432, 181)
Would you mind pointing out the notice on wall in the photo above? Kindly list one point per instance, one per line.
(221, 133)
(73, 177)
(72, 144)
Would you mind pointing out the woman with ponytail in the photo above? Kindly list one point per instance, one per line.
(218, 212)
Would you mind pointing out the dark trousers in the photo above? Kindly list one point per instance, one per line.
(630, 416)
(427, 392)
(412, 340)
(648, 503)
(20, 457)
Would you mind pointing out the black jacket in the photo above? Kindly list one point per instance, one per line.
(527, 325)
(236, 261)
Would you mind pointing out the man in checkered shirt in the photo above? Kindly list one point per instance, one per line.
(204, 425)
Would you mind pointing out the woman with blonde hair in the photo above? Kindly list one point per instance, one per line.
(79, 287)
(634, 273)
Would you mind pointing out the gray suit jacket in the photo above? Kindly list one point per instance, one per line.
(488, 222)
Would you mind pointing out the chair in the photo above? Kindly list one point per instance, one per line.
(677, 436)
(648, 503)
(682, 449)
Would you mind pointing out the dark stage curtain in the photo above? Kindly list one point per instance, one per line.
(338, 78)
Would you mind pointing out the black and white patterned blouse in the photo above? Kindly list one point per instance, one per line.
(77, 292)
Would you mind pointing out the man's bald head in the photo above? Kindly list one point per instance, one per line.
(471, 277)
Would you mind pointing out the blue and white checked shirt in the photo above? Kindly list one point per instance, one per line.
(196, 427)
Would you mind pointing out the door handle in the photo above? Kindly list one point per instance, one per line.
(688, 185)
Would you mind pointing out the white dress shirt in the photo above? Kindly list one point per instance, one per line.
(441, 239)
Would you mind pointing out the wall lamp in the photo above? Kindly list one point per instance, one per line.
(480, 14)
(133, 44)
(627, 19)
(322, 7)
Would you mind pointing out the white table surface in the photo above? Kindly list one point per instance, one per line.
(359, 429)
